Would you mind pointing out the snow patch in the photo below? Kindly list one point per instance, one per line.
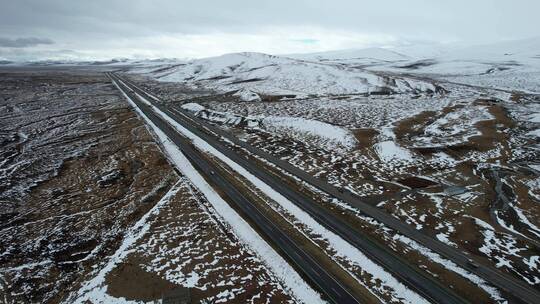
(274, 75)
(390, 151)
(247, 95)
(327, 135)
(193, 107)
(343, 249)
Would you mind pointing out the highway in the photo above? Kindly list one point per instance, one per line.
(328, 284)
(416, 279)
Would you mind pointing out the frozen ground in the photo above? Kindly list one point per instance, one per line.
(461, 164)
(512, 65)
(443, 147)
(91, 209)
(444, 139)
(273, 77)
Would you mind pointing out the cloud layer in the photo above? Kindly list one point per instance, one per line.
(23, 42)
(167, 28)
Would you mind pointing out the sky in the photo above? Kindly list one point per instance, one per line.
(101, 30)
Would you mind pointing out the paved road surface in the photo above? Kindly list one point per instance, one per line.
(411, 276)
(328, 284)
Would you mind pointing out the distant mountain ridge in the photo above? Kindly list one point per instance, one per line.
(368, 53)
(277, 75)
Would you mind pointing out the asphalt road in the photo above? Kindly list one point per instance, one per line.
(328, 284)
(520, 290)
(411, 276)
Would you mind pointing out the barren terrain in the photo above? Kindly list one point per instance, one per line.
(104, 197)
(79, 172)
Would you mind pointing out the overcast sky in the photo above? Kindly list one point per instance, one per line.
(97, 29)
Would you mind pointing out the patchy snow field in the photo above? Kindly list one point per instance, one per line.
(327, 135)
(310, 131)
(273, 75)
(444, 140)
(427, 159)
(229, 217)
(104, 216)
(351, 112)
(512, 65)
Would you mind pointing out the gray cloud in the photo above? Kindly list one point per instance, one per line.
(24, 42)
(458, 18)
(107, 25)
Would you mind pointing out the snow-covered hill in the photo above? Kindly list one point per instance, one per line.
(520, 50)
(273, 75)
(359, 55)
(510, 65)
(523, 52)
(513, 64)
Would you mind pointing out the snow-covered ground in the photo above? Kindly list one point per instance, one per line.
(507, 65)
(442, 138)
(343, 250)
(355, 56)
(511, 65)
(327, 135)
(241, 228)
(454, 128)
(311, 131)
(274, 75)
(379, 147)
